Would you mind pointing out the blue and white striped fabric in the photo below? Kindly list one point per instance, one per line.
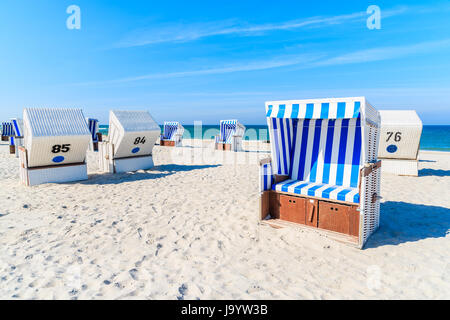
(319, 146)
(7, 129)
(170, 129)
(17, 125)
(327, 151)
(318, 110)
(266, 177)
(281, 134)
(321, 190)
(12, 142)
(93, 128)
(227, 128)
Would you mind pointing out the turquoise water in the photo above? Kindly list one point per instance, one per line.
(433, 137)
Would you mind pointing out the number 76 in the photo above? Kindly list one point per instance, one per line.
(397, 136)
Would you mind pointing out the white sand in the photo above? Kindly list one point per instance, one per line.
(190, 231)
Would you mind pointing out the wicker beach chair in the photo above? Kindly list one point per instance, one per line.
(16, 138)
(400, 141)
(172, 135)
(93, 129)
(131, 138)
(7, 131)
(323, 172)
(55, 145)
(230, 136)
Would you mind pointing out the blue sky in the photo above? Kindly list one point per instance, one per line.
(211, 60)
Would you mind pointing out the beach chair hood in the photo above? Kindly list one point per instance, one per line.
(55, 136)
(400, 131)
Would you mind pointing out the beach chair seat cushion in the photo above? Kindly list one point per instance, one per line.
(317, 189)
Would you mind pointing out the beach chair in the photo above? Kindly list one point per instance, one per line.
(400, 141)
(7, 131)
(131, 137)
(172, 135)
(323, 172)
(230, 136)
(16, 138)
(55, 145)
(93, 128)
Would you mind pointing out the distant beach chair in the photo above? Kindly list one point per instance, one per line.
(95, 134)
(7, 131)
(55, 145)
(16, 139)
(172, 135)
(131, 138)
(323, 172)
(400, 141)
(230, 136)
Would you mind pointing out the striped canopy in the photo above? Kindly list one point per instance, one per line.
(7, 129)
(171, 128)
(93, 128)
(307, 109)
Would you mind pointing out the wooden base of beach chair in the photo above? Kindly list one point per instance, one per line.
(12, 149)
(50, 174)
(167, 143)
(133, 164)
(337, 217)
(400, 167)
(5, 138)
(54, 174)
(223, 146)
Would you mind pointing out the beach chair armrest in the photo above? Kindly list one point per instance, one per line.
(264, 161)
(369, 167)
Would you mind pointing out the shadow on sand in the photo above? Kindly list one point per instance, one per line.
(434, 172)
(402, 222)
(154, 173)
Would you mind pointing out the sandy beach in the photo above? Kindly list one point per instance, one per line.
(188, 229)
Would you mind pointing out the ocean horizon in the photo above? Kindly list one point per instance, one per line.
(434, 137)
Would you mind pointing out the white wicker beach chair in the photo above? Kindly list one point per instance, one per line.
(55, 145)
(400, 141)
(323, 172)
(93, 129)
(172, 135)
(131, 137)
(230, 136)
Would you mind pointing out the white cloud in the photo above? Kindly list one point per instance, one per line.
(278, 62)
(384, 53)
(299, 61)
(195, 31)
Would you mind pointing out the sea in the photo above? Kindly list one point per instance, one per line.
(434, 137)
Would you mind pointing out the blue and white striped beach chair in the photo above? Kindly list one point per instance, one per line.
(7, 130)
(324, 170)
(93, 129)
(172, 134)
(230, 136)
(16, 139)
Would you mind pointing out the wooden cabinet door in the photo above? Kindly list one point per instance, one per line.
(312, 212)
(354, 221)
(292, 209)
(334, 217)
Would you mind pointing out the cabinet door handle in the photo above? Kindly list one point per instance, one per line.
(311, 213)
